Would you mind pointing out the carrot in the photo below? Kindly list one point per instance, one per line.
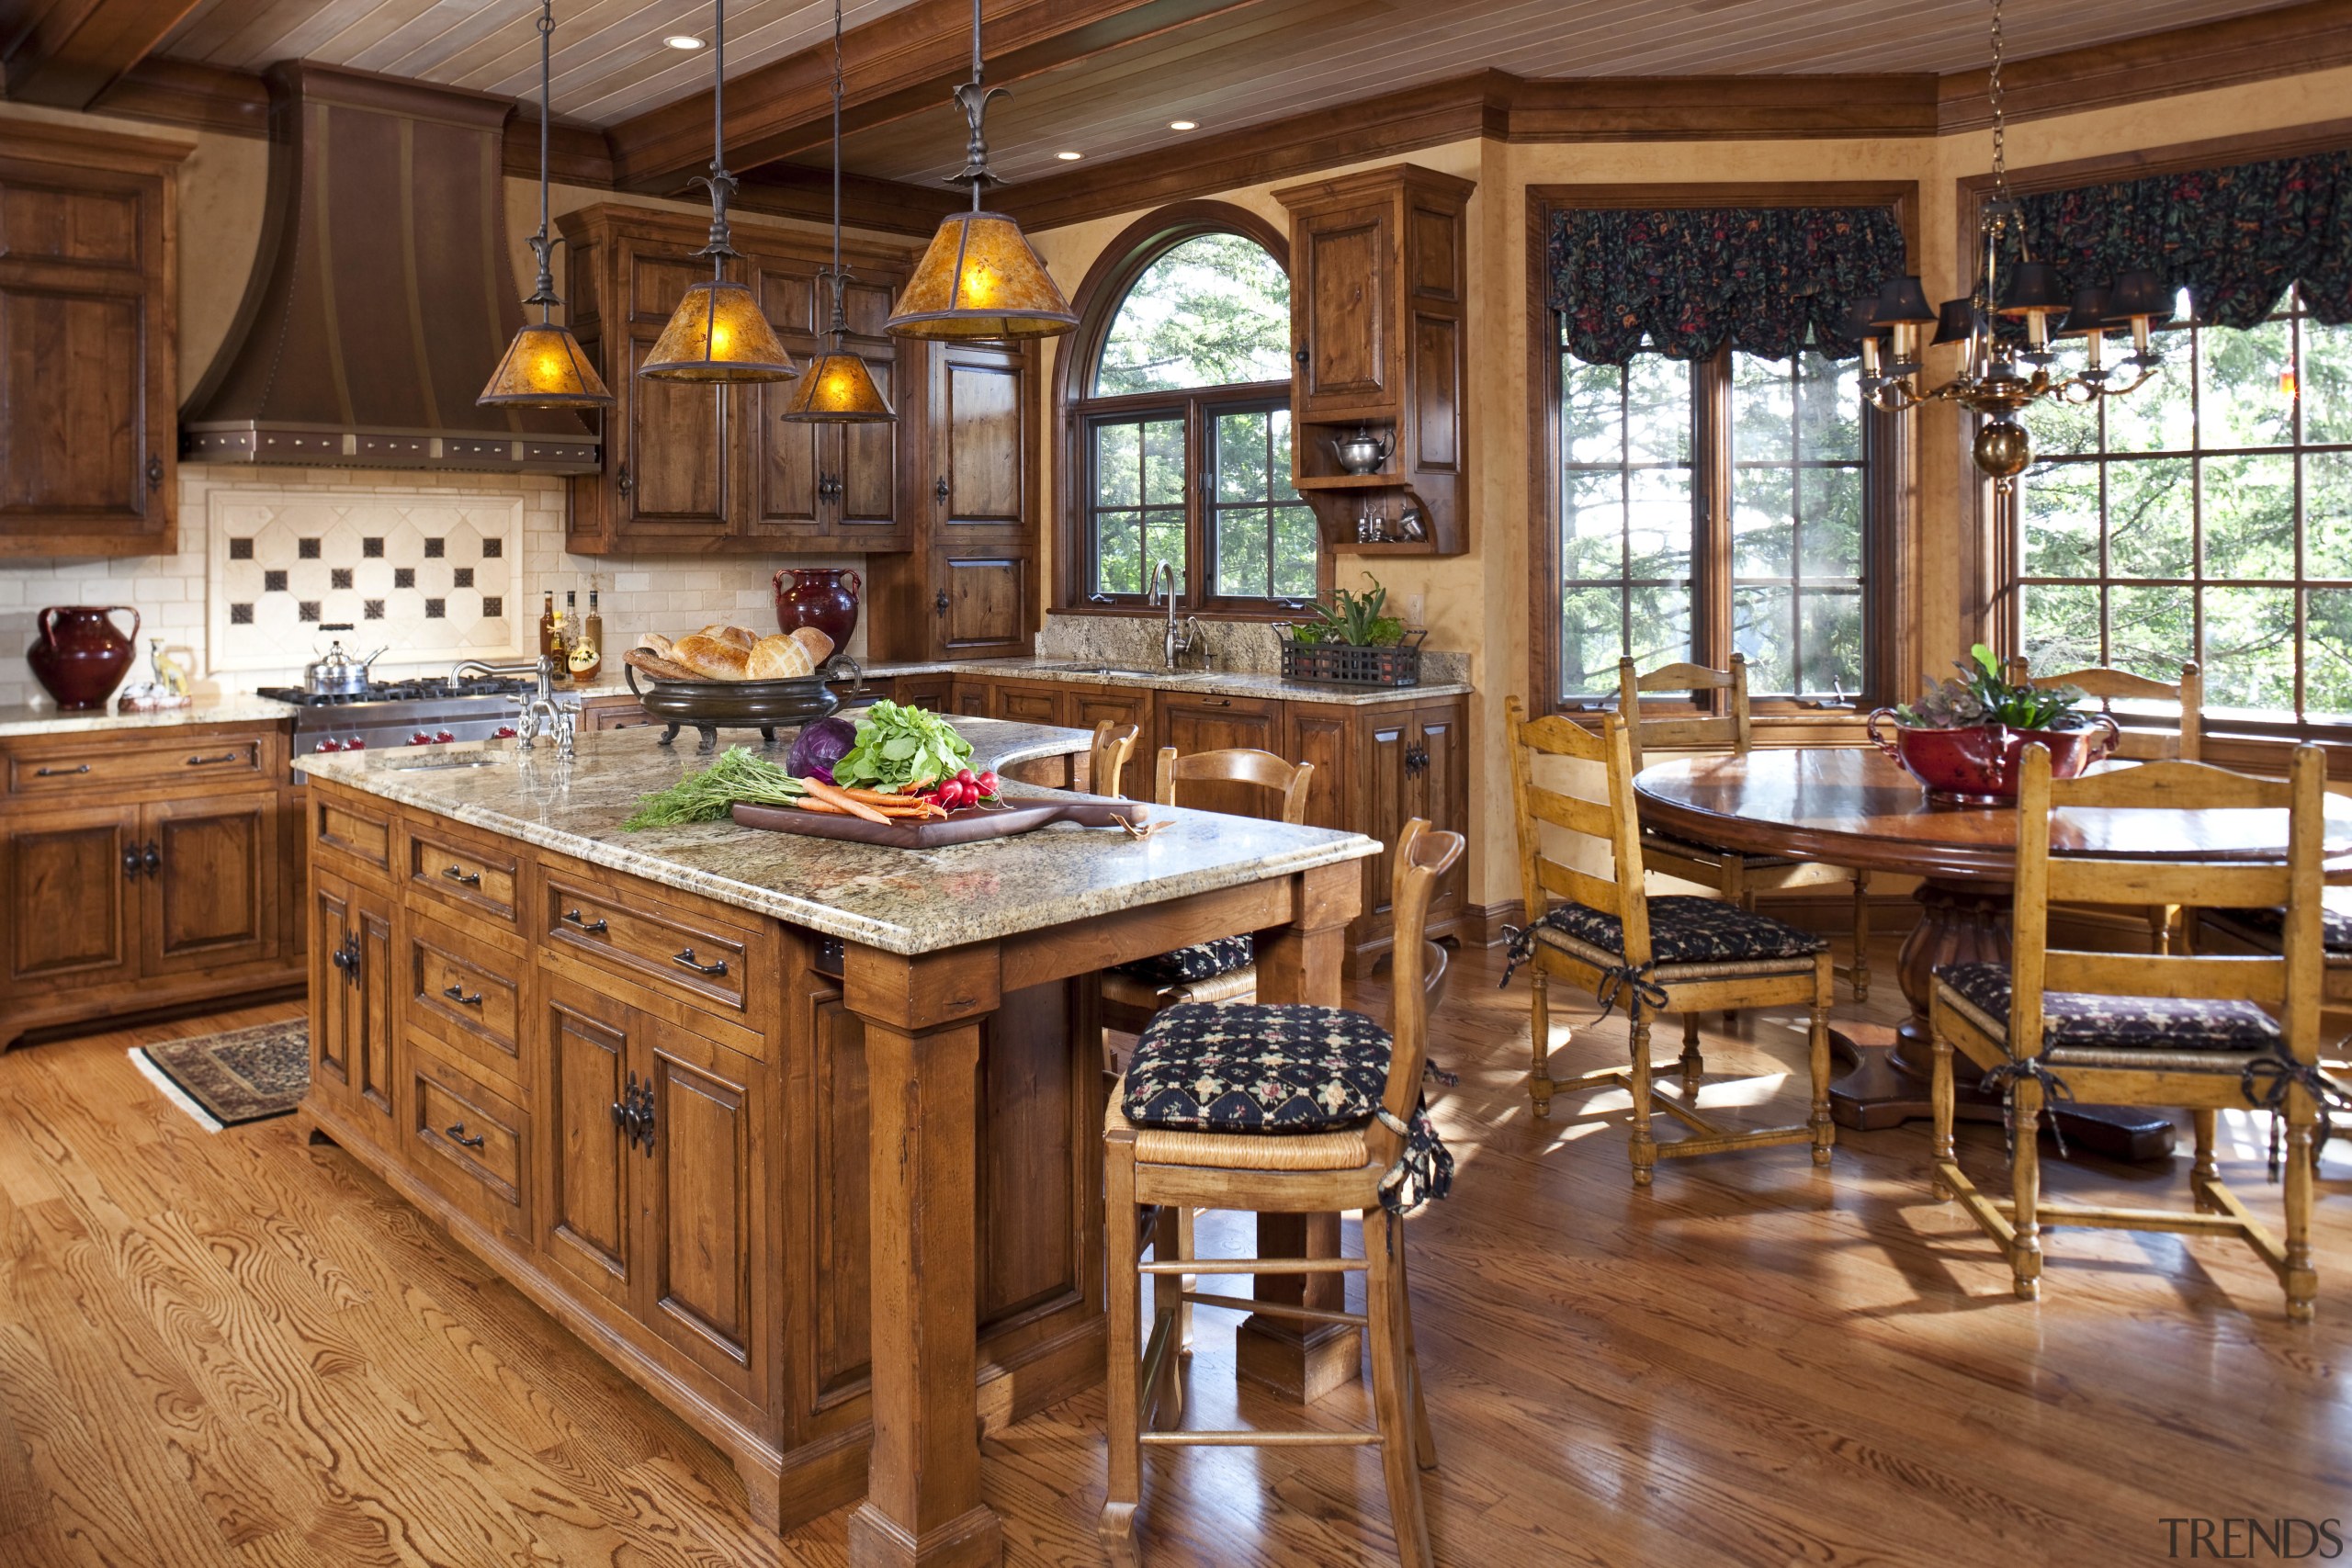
(833, 797)
(811, 802)
(878, 796)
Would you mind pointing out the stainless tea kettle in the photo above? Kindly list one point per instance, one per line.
(336, 673)
(1361, 453)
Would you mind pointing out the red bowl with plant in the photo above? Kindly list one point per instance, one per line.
(1965, 739)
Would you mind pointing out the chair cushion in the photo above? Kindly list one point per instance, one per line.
(1201, 961)
(1684, 929)
(2269, 926)
(2075, 1022)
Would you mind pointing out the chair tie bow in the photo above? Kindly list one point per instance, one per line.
(2005, 1077)
(2284, 1072)
(1423, 1171)
(1633, 982)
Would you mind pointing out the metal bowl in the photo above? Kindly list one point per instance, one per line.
(709, 707)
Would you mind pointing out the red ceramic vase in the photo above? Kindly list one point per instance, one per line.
(817, 597)
(81, 655)
(1981, 765)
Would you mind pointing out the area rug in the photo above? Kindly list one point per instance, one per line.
(246, 1075)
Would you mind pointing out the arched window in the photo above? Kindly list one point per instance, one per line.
(1178, 401)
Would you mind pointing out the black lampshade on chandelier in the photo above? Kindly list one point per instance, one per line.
(2000, 376)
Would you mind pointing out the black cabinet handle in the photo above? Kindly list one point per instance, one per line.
(687, 958)
(623, 484)
(459, 873)
(1416, 758)
(212, 762)
(634, 1114)
(59, 772)
(455, 1133)
(1301, 355)
(593, 928)
(347, 957)
(1216, 701)
(131, 863)
(645, 1115)
(939, 487)
(458, 994)
(154, 472)
(939, 605)
(150, 858)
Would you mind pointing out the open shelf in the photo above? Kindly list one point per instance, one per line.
(1385, 548)
(1348, 481)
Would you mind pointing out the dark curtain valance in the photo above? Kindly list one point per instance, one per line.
(1766, 281)
(2236, 238)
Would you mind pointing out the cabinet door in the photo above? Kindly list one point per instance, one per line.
(981, 414)
(1193, 723)
(211, 899)
(981, 609)
(673, 479)
(1326, 737)
(700, 1197)
(373, 1020)
(1090, 706)
(936, 692)
(972, 697)
(581, 1141)
(1392, 791)
(330, 918)
(868, 486)
(1340, 327)
(72, 897)
(1026, 704)
(1437, 768)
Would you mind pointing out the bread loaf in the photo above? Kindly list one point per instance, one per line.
(740, 636)
(655, 644)
(819, 645)
(712, 659)
(660, 669)
(780, 659)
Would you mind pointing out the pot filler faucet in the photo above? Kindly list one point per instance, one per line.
(1172, 641)
(540, 710)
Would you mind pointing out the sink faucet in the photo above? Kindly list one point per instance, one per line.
(561, 720)
(1172, 641)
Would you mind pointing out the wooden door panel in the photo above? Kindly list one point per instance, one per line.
(1441, 788)
(794, 457)
(1346, 257)
(1325, 737)
(1192, 723)
(843, 1229)
(983, 409)
(700, 1190)
(374, 1018)
(1030, 1218)
(677, 439)
(44, 218)
(1389, 795)
(330, 987)
(71, 905)
(72, 405)
(865, 513)
(1028, 704)
(587, 1181)
(213, 898)
(987, 609)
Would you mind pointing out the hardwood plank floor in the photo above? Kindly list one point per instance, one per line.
(236, 1349)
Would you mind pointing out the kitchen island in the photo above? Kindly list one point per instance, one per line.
(801, 1134)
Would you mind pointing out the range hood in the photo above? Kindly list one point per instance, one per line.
(384, 293)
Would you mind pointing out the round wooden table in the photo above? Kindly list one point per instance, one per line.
(1856, 808)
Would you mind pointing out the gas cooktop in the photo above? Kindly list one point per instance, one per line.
(418, 690)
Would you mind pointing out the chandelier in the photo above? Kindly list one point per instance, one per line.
(2000, 375)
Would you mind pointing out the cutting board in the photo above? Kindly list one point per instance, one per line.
(966, 827)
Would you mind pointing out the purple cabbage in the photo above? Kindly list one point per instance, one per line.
(819, 746)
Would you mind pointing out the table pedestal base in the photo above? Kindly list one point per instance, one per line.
(1968, 924)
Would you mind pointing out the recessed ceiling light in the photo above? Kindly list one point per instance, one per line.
(682, 40)
(1069, 157)
(1184, 125)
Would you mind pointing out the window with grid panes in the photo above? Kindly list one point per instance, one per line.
(1188, 436)
(2206, 516)
(1714, 507)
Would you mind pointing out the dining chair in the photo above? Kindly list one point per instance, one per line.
(1107, 758)
(2140, 741)
(2202, 1032)
(1739, 876)
(1282, 1109)
(1676, 953)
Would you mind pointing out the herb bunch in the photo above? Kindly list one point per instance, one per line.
(711, 794)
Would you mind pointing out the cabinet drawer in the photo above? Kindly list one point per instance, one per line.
(468, 1140)
(467, 997)
(461, 872)
(689, 955)
(355, 830)
(99, 767)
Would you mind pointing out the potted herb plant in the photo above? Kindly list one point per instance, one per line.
(1963, 738)
(1353, 640)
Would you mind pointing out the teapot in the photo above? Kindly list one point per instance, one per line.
(336, 673)
(1361, 453)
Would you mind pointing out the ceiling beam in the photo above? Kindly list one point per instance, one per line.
(892, 207)
(72, 51)
(902, 65)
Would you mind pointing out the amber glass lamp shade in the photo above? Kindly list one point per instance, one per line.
(837, 389)
(545, 368)
(981, 279)
(719, 333)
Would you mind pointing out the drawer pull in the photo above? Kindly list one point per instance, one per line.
(131, 863)
(210, 761)
(687, 958)
(59, 772)
(593, 928)
(150, 858)
(459, 873)
(1216, 701)
(455, 1133)
(458, 994)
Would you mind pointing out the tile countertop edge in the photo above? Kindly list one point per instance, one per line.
(247, 709)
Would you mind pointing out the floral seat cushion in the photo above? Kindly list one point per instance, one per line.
(1201, 961)
(2076, 1021)
(1683, 930)
(1252, 1067)
(2270, 925)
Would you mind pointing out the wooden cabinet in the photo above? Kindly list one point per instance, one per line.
(1379, 303)
(71, 882)
(354, 1018)
(1377, 767)
(212, 882)
(1042, 702)
(715, 470)
(89, 391)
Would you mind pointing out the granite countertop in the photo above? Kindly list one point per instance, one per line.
(1217, 683)
(903, 901)
(24, 718)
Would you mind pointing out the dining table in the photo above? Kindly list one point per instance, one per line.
(1860, 808)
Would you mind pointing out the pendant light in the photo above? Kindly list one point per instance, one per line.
(981, 278)
(545, 366)
(718, 333)
(838, 389)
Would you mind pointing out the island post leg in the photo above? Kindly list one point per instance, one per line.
(922, 1018)
(1300, 963)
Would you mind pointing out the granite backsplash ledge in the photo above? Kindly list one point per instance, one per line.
(1249, 647)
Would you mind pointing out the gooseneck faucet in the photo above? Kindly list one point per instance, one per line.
(1172, 641)
(539, 709)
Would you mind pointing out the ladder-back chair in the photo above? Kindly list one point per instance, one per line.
(1115, 743)
(1666, 954)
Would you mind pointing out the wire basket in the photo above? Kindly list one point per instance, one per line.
(1339, 664)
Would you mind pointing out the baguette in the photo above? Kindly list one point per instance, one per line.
(780, 659)
(819, 645)
(712, 660)
(660, 669)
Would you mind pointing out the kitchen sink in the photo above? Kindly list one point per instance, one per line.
(1114, 671)
(435, 765)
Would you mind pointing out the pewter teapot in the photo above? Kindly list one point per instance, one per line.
(1361, 453)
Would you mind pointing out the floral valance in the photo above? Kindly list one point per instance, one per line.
(1767, 280)
(2235, 238)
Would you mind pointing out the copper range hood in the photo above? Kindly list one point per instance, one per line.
(384, 294)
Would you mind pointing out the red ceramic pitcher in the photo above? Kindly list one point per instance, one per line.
(819, 597)
(81, 655)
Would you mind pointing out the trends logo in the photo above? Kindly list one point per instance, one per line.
(2281, 1540)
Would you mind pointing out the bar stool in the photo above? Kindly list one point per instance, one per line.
(1284, 1110)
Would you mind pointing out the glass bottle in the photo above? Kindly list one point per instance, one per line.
(588, 646)
(546, 627)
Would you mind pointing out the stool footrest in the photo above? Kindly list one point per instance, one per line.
(1256, 1266)
(1276, 1309)
(1262, 1440)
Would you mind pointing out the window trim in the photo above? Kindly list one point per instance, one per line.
(1076, 411)
(1891, 545)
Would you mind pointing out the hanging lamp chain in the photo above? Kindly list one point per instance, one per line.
(542, 244)
(718, 182)
(838, 278)
(974, 97)
(2000, 121)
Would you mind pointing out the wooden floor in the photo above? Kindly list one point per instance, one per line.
(236, 1349)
